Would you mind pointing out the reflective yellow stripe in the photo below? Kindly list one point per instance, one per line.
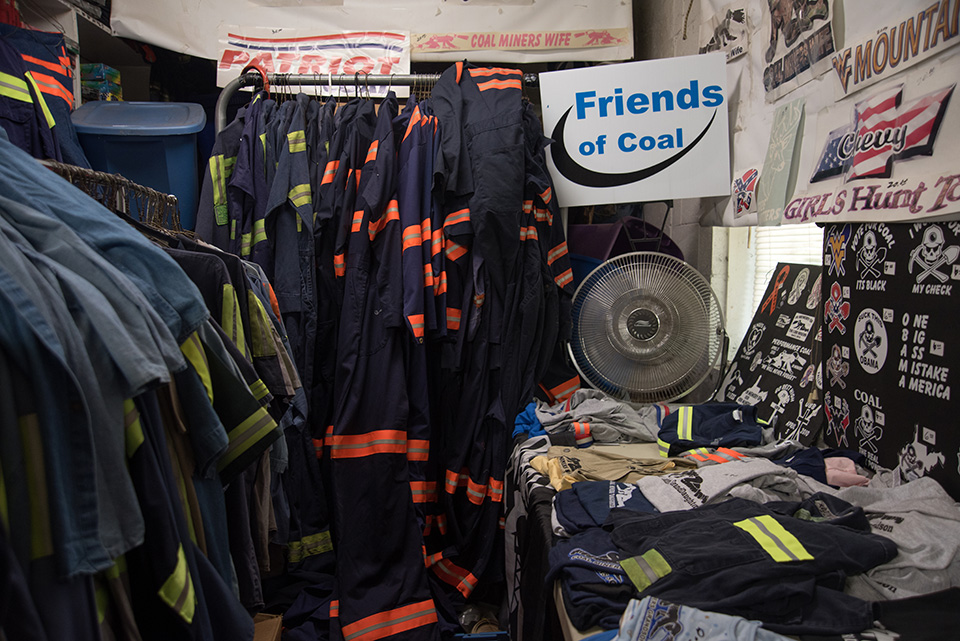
(664, 448)
(13, 87)
(119, 567)
(259, 232)
(645, 569)
(242, 437)
(261, 337)
(231, 322)
(41, 541)
(263, 142)
(685, 423)
(245, 240)
(233, 230)
(177, 591)
(43, 103)
(297, 141)
(259, 389)
(310, 545)
(300, 195)
(103, 600)
(133, 430)
(774, 539)
(218, 179)
(193, 350)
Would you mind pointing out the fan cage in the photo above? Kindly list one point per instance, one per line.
(647, 327)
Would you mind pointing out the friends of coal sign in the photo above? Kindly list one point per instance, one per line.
(638, 131)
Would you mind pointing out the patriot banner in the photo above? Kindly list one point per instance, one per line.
(291, 51)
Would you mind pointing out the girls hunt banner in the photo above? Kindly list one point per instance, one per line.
(777, 366)
(879, 109)
(891, 301)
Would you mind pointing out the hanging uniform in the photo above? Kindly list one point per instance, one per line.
(382, 586)
(24, 114)
(480, 159)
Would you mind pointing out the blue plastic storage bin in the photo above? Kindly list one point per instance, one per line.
(151, 143)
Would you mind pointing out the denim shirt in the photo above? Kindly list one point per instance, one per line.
(170, 292)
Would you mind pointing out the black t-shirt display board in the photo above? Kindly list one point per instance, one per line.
(776, 367)
(891, 310)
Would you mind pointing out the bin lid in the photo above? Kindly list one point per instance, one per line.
(138, 118)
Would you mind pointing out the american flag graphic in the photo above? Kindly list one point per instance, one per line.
(880, 113)
(830, 163)
(875, 115)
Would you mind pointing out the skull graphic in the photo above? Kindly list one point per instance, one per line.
(932, 254)
(869, 340)
(871, 255)
(837, 369)
(868, 430)
(932, 245)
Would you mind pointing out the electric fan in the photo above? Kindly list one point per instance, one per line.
(647, 328)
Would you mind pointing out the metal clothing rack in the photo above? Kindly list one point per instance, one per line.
(123, 196)
(259, 79)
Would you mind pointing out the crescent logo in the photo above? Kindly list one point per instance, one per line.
(574, 172)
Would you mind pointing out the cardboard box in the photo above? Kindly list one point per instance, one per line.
(267, 627)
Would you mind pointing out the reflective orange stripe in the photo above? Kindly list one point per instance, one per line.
(334, 608)
(495, 490)
(729, 452)
(557, 252)
(453, 318)
(411, 237)
(416, 324)
(339, 265)
(360, 445)
(436, 242)
(527, 206)
(696, 456)
(546, 195)
(274, 303)
(440, 284)
(476, 492)
(414, 119)
(543, 216)
(428, 275)
(330, 171)
(491, 71)
(459, 66)
(456, 217)
(478, 300)
(372, 151)
(529, 233)
(502, 523)
(392, 213)
(454, 251)
(425, 230)
(564, 278)
(50, 85)
(424, 492)
(456, 576)
(357, 221)
(565, 390)
(581, 431)
(432, 559)
(385, 624)
(318, 447)
(499, 84)
(453, 480)
(442, 523)
(52, 66)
